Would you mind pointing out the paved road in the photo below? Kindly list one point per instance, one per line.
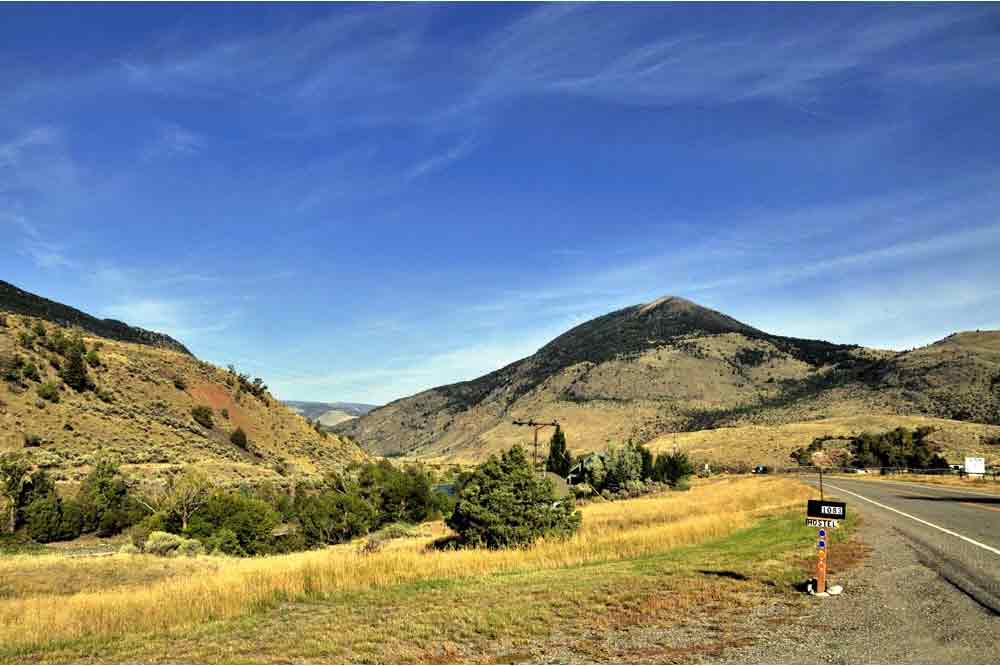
(955, 532)
(921, 596)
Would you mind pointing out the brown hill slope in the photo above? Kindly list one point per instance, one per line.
(673, 366)
(141, 411)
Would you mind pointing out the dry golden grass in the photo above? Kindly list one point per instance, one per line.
(59, 574)
(611, 532)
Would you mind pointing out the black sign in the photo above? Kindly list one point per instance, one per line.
(826, 509)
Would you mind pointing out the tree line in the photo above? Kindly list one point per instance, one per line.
(244, 521)
(894, 448)
(617, 468)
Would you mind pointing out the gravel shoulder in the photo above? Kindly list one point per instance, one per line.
(896, 608)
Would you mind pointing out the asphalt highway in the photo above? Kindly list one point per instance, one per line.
(955, 532)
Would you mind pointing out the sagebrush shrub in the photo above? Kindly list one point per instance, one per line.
(162, 543)
(202, 414)
(190, 548)
(30, 371)
(239, 438)
(48, 391)
(26, 340)
(10, 367)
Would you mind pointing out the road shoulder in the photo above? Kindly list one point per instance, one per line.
(894, 610)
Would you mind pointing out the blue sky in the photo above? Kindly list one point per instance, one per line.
(358, 202)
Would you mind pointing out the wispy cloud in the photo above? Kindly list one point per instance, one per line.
(178, 318)
(36, 162)
(174, 141)
(377, 67)
(590, 50)
(43, 252)
(12, 151)
(382, 65)
(441, 160)
(114, 276)
(892, 315)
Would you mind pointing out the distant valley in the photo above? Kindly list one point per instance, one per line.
(329, 414)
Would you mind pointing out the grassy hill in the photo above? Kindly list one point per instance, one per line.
(139, 409)
(672, 366)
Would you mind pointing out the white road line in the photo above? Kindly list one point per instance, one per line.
(919, 520)
(929, 486)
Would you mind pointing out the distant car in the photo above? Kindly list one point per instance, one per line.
(761, 469)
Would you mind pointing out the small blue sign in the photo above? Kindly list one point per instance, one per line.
(822, 533)
(822, 543)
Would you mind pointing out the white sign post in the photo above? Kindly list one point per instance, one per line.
(975, 466)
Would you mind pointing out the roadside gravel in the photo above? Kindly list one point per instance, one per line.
(895, 609)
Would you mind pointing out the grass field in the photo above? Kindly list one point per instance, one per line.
(723, 546)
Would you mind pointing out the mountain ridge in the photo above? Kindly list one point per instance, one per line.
(15, 300)
(671, 365)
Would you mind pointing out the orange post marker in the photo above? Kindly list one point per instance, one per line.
(821, 571)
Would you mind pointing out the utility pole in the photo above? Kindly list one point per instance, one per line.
(537, 427)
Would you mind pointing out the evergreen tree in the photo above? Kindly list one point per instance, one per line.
(15, 482)
(504, 504)
(672, 467)
(74, 371)
(560, 460)
(647, 462)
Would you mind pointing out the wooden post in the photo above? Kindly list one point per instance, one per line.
(536, 450)
(537, 427)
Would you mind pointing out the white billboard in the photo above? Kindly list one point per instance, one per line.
(975, 465)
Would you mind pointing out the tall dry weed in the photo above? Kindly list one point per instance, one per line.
(611, 531)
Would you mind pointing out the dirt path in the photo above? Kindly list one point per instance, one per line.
(896, 608)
